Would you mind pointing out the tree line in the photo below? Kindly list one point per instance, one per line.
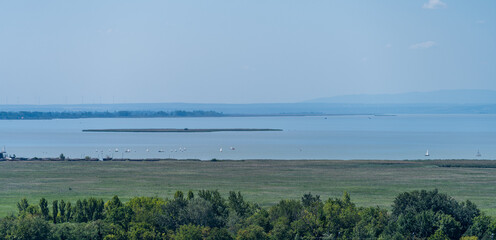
(106, 114)
(207, 215)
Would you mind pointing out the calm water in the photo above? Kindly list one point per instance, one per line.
(331, 137)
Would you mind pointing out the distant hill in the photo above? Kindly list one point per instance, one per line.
(435, 97)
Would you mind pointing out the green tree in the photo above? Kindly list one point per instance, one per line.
(44, 209)
(219, 234)
(341, 216)
(281, 229)
(260, 218)
(479, 227)
(200, 212)
(179, 195)
(312, 204)
(189, 232)
(237, 204)
(93, 208)
(79, 212)
(252, 232)
(307, 227)
(141, 231)
(289, 209)
(218, 204)
(491, 230)
(6, 226)
(191, 195)
(68, 211)
(439, 235)
(373, 222)
(79, 231)
(147, 209)
(419, 201)
(22, 205)
(117, 213)
(30, 227)
(448, 225)
(55, 210)
(32, 210)
(62, 211)
(172, 215)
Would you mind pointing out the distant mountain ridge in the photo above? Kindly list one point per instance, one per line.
(476, 96)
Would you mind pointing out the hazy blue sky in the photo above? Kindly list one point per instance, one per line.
(241, 51)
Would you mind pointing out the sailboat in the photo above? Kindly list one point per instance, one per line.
(427, 153)
(478, 153)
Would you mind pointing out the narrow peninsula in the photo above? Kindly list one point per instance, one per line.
(188, 130)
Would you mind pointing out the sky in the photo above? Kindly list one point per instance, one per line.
(263, 51)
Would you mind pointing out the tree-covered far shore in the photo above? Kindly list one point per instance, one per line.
(8, 115)
(207, 215)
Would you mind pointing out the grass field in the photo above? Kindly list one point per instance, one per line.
(370, 183)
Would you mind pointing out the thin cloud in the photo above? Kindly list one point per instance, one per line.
(423, 45)
(434, 4)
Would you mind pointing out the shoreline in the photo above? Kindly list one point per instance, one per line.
(374, 161)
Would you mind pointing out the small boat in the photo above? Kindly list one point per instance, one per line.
(427, 153)
(128, 150)
(232, 148)
(478, 153)
(116, 150)
(161, 150)
(220, 150)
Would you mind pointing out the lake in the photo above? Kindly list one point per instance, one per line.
(303, 137)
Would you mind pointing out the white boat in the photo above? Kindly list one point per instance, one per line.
(427, 153)
(478, 153)
(220, 150)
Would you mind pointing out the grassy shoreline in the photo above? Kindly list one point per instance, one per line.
(370, 182)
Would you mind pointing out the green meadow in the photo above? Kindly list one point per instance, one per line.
(266, 182)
